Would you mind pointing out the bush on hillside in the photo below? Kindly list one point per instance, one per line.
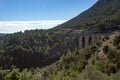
(116, 40)
(105, 49)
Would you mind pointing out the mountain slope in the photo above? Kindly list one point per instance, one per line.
(96, 62)
(103, 13)
(35, 48)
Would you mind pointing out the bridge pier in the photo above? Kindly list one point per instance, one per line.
(87, 40)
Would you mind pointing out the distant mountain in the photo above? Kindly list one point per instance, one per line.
(105, 14)
(1, 34)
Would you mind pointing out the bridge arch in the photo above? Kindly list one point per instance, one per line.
(83, 42)
(88, 39)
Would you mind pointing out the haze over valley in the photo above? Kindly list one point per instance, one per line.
(17, 26)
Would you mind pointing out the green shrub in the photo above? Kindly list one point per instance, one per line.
(64, 75)
(2, 74)
(25, 75)
(115, 76)
(107, 37)
(101, 66)
(118, 47)
(13, 75)
(105, 49)
(98, 43)
(111, 54)
(116, 40)
(91, 73)
(87, 53)
(93, 48)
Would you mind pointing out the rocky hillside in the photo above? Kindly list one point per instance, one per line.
(97, 62)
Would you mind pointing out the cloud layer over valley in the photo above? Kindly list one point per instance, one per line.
(16, 26)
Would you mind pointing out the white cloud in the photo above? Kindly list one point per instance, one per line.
(15, 26)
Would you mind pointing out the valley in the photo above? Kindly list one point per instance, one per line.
(86, 47)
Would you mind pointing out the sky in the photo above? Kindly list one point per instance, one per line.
(15, 15)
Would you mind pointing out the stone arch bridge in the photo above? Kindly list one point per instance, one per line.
(88, 39)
